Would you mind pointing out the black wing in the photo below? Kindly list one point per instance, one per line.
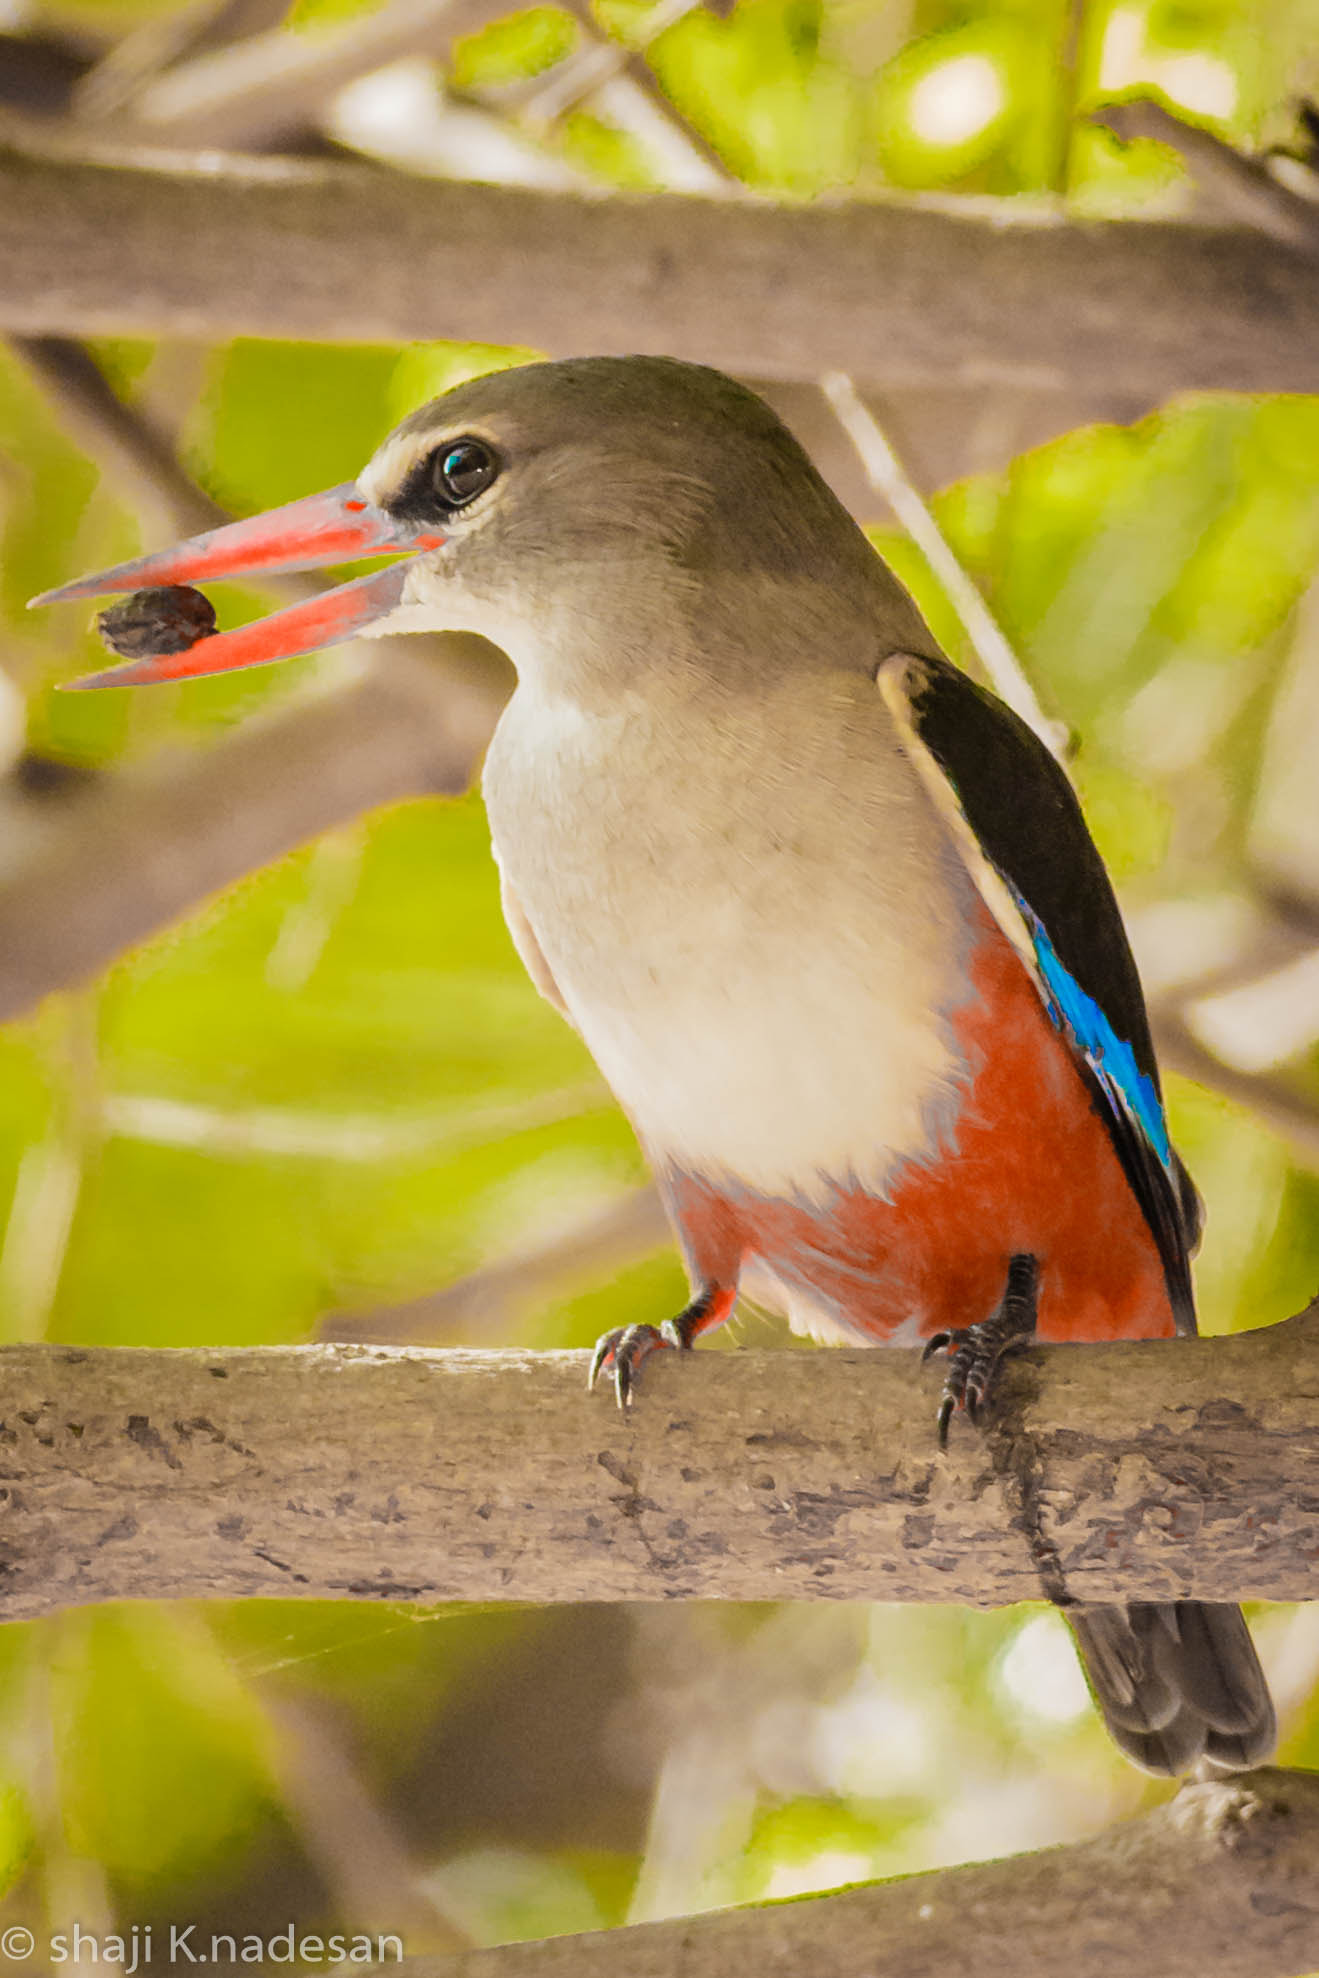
(1019, 827)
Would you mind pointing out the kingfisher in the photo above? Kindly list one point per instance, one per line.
(825, 912)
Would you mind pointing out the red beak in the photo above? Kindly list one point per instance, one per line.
(324, 528)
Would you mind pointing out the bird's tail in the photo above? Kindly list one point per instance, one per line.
(1177, 1681)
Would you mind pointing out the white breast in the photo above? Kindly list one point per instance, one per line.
(751, 912)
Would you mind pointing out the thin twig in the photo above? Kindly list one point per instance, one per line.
(363, 1859)
(628, 91)
(125, 444)
(1263, 1021)
(887, 477)
(136, 851)
(544, 98)
(479, 1306)
(254, 90)
(1272, 1101)
(163, 40)
(1066, 76)
(1242, 189)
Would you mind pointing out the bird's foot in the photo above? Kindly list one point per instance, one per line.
(974, 1352)
(623, 1351)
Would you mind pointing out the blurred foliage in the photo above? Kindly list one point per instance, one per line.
(333, 1088)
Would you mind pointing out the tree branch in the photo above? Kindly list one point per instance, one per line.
(589, 1245)
(122, 440)
(134, 851)
(1269, 1097)
(132, 62)
(887, 475)
(252, 91)
(1242, 189)
(893, 293)
(1217, 1883)
(378, 1473)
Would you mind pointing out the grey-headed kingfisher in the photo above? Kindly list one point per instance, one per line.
(825, 912)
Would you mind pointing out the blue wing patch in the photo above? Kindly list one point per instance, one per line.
(1127, 1088)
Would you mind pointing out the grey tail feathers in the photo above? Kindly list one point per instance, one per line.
(1177, 1681)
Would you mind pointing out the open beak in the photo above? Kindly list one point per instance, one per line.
(326, 528)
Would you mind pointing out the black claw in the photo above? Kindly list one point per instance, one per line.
(623, 1350)
(974, 1351)
(603, 1348)
(621, 1353)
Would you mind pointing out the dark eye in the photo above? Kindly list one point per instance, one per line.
(462, 470)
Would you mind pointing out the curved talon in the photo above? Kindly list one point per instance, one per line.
(974, 1351)
(621, 1353)
(603, 1348)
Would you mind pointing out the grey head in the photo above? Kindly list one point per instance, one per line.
(608, 515)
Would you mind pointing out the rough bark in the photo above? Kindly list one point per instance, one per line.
(894, 293)
(1154, 1470)
(1219, 1883)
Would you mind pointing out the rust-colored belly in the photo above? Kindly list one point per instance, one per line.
(1027, 1165)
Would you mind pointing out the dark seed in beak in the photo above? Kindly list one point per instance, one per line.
(150, 623)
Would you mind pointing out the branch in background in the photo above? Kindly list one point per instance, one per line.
(1243, 190)
(39, 71)
(125, 444)
(1264, 1021)
(1159, 1470)
(252, 92)
(127, 854)
(263, 88)
(163, 39)
(484, 1303)
(363, 1859)
(1272, 1101)
(134, 453)
(406, 117)
(942, 433)
(1211, 967)
(892, 293)
(134, 852)
(626, 88)
(1217, 1883)
(884, 471)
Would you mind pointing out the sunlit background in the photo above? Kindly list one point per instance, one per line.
(331, 1091)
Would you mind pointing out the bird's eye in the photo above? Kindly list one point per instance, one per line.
(462, 470)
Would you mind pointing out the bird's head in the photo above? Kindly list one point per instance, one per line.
(543, 507)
